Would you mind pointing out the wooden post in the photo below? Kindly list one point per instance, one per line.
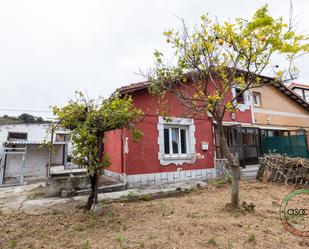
(2, 161)
(65, 155)
(23, 165)
(50, 155)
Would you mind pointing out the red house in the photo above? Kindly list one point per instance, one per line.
(179, 150)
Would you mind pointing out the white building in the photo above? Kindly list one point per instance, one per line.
(24, 154)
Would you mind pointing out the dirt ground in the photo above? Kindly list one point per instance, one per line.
(196, 220)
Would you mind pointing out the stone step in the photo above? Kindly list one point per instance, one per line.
(251, 167)
(249, 173)
(249, 176)
(104, 189)
(59, 171)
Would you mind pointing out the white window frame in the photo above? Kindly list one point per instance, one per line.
(259, 99)
(179, 154)
(246, 104)
(181, 123)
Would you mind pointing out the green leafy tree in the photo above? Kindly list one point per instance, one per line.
(28, 118)
(216, 57)
(87, 120)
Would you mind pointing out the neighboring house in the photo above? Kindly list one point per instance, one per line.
(283, 119)
(24, 155)
(280, 123)
(277, 107)
(187, 148)
(301, 90)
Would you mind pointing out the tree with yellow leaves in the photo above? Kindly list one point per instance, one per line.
(216, 57)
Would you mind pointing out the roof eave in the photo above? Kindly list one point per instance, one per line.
(292, 95)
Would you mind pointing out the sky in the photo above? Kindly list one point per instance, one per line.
(51, 48)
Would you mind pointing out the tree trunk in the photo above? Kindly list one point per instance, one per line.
(232, 165)
(96, 187)
(94, 179)
(93, 197)
(235, 172)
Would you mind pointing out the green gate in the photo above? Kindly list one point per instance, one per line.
(294, 146)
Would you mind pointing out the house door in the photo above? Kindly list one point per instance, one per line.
(244, 144)
(250, 146)
(233, 139)
(12, 165)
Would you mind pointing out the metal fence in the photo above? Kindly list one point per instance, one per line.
(293, 146)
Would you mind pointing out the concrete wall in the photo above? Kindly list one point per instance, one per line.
(36, 132)
(13, 166)
(55, 184)
(277, 109)
(36, 161)
(153, 179)
(37, 156)
(57, 155)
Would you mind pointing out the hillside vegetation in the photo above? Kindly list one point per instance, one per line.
(23, 118)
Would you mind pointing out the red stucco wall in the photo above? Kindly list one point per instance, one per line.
(113, 148)
(240, 117)
(143, 156)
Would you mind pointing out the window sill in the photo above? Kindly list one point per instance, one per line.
(178, 157)
(243, 107)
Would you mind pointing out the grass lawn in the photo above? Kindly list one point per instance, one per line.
(196, 220)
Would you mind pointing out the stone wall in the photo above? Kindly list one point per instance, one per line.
(56, 184)
(155, 179)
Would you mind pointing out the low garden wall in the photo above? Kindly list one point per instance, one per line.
(67, 184)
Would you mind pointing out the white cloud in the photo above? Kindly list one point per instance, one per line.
(49, 49)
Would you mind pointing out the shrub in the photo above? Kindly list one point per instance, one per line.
(13, 243)
(212, 242)
(86, 245)
(120, 239)
(252, 238)
(146, 197)
(249, 208)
